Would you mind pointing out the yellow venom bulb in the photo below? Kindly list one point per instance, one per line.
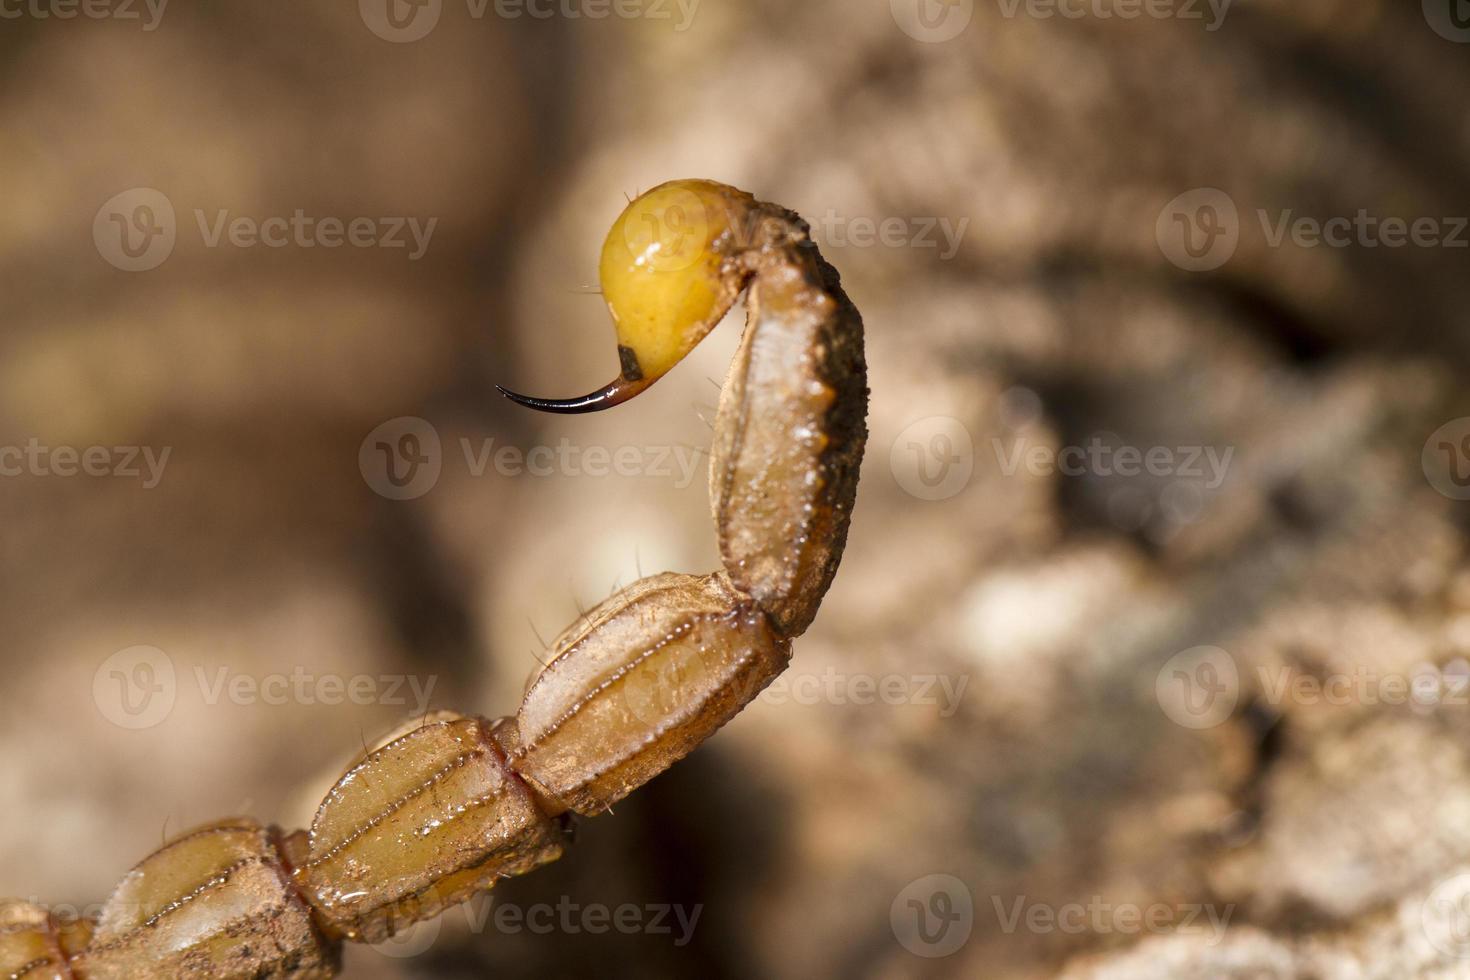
(669, 274)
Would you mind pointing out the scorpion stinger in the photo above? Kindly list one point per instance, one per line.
(612, 394)
(672, 265)
(448, 804)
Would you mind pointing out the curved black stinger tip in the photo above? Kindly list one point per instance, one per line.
(615, 393)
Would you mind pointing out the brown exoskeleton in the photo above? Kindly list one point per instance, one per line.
(448, 804)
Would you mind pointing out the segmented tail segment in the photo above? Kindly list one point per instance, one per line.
(445, 806)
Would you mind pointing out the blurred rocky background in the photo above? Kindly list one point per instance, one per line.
(1147, 655)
